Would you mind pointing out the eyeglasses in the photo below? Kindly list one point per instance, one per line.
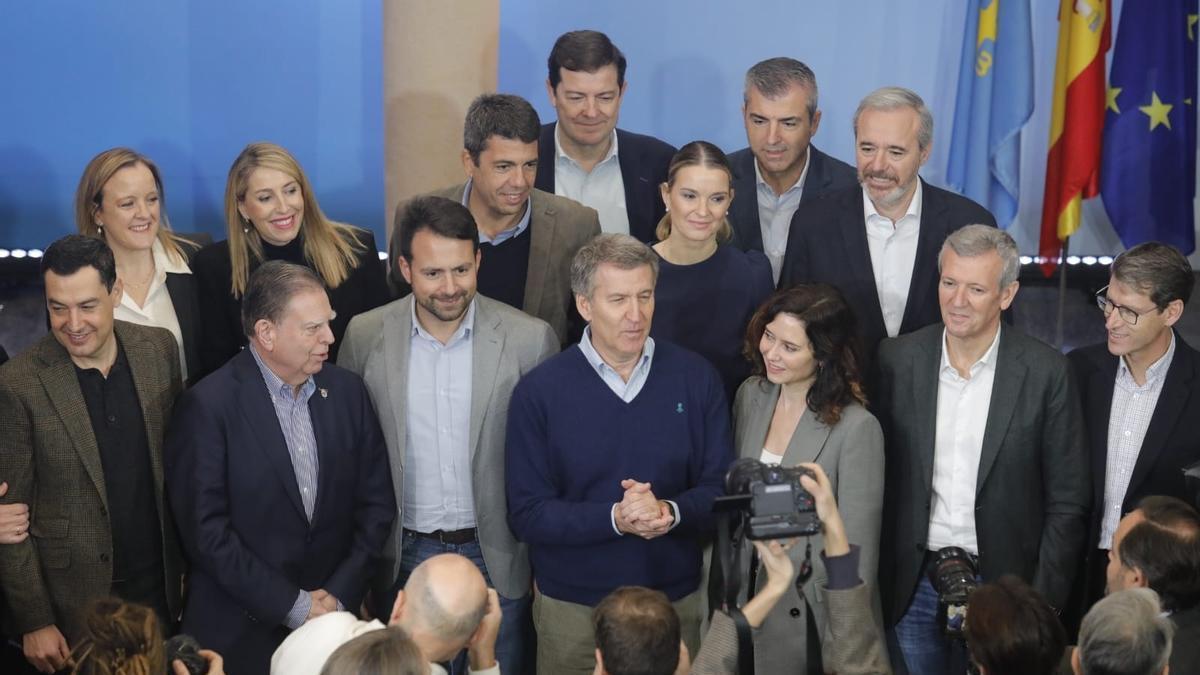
(1128, 315)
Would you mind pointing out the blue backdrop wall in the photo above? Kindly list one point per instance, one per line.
(188, 84)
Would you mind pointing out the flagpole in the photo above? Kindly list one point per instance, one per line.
(1062, 294)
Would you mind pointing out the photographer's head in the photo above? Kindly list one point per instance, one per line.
(1012, 629)
(1157, 546)
(120, 638)
(1124, 634)
(442, 605)
(637, 633)
(379, 652)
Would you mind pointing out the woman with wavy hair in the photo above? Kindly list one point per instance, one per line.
(805, 403)
(120, 199)
(707, 288)
(271, 213)
(122, 638)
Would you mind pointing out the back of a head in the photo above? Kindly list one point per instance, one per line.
(446, 599)
(637, 632)
(1012, 630)
(1125, 634)
(1165, 546)
(120, 638)
(380, 652)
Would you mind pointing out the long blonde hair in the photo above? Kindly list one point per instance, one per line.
(89, 197)
(703, 154)
(329, 246)
(120, 638)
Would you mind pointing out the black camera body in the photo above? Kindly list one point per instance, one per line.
(778, 506)
(186, 649)
(953, 572)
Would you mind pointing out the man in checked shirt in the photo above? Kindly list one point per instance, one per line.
(1141, 396)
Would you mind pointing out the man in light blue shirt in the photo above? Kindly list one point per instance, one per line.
(439, 363)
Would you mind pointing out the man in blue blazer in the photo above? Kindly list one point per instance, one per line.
(879, 243)
(781, 170)
(278, 476)
(584, 156)
(1141, 406)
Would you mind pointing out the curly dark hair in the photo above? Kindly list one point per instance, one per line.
(833, 337)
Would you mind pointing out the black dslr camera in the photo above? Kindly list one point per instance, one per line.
(952, 573)
(186, 649)
(775, 504)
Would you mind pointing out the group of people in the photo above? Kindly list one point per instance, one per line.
(512, 467)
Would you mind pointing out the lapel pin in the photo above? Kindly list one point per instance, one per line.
(324, 392)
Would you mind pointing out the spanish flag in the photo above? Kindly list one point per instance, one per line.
(1076, 121)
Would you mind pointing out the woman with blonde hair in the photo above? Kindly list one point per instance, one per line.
(271, 213)
(121, 638)
(707, 289)
(120, 200)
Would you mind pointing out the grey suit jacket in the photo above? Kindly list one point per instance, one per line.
(1033, 489)
(850, 650)
(559, 227)
(49, 456)
(851, 453)
(505, 345)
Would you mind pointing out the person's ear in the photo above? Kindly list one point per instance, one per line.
(599, 669)
(397, 609)
(1077, 666)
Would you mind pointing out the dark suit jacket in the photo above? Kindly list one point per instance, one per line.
(1033, 490)
(49, 456)
(825, 174)
(644, 161)
(1185, 649)
(1172, 441)
(559, 227)
(185, 299)
(828, 244)
(240, 517)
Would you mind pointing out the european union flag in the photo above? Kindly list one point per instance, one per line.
(995, 99)
(1148, 172)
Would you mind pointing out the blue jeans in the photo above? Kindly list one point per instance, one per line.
(515, 626)
(923, 644)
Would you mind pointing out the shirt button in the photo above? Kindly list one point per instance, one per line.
(1128, 432)
(112, 418)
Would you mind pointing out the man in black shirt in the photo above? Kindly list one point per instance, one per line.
(81, 426)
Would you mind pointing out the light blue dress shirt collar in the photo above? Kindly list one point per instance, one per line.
(626, 391)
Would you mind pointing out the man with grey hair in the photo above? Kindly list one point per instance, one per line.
(615, 451)
(780, 167)
(1124, 634)
(278, 477)
(878, 243)
(1141, 406)
(527, 237)
(445, 607)
(985, 450)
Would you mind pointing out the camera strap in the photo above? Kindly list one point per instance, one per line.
(745, 641)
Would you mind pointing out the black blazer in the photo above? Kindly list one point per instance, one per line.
(644, 161)
(185, 299)
(221, 314)
(828, 244)
(236, 502)
(1172, 441)
(825, 174)
(1033, 491)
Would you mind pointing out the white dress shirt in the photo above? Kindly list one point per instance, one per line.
(602, 188)
(157, 310)
(1129, 418)
(893, 255)
(438, 493)
(775, 214)
(962, 412)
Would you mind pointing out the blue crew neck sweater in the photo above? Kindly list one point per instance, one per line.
(571, 441)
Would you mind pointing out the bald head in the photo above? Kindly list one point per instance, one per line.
(445, 598)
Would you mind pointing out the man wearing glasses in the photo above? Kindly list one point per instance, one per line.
(1141, 396)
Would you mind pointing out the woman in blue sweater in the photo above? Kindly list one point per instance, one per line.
(707, 289)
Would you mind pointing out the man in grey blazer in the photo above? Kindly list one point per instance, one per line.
(984, 443)
(528, 237)
(428, 359)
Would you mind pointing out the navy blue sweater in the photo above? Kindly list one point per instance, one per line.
(571, 441)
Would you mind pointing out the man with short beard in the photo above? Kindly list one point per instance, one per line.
(879, 243)
(440, 365)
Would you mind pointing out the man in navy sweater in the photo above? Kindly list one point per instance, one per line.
(615, 451)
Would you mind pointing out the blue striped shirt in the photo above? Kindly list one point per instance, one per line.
(291, 409)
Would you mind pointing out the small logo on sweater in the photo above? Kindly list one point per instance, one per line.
(678, 407)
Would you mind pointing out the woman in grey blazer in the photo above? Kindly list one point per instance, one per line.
(805, 403)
